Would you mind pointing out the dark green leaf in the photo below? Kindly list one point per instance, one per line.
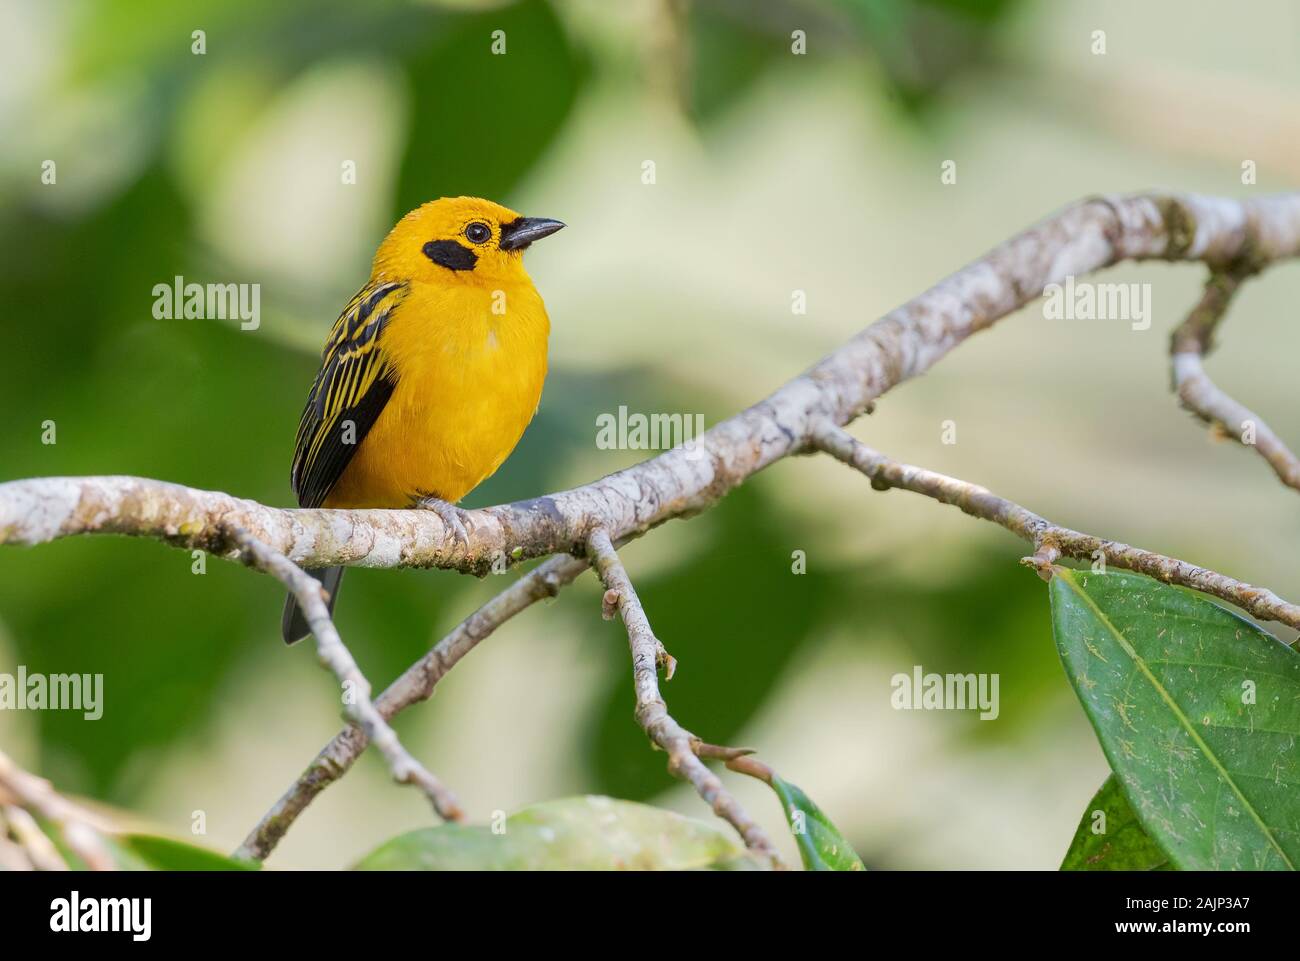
(148, 852)
(167, 854)
(821, 846)
(1198, 711)
(1111, 838)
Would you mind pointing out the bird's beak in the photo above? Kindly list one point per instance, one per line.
(522, 231)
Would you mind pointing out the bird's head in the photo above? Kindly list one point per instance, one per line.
(460, 239)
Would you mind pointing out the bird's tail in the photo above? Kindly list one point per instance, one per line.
(293, 626)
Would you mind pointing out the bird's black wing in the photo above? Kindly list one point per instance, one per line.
(349, 393)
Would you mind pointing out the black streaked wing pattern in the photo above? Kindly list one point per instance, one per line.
(354, 383)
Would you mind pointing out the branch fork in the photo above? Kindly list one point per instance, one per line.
(1234, 238)
(332, 653)
(652, 714)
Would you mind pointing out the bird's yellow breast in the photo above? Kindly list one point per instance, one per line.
(469, 364)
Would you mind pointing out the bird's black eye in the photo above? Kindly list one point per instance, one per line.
(478, 233)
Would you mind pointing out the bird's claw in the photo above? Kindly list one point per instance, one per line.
(450, 514)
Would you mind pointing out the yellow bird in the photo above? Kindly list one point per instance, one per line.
(430, 374)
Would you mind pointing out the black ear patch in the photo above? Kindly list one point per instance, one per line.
(450, 254)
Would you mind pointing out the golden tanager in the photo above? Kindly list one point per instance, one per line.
(431, 373)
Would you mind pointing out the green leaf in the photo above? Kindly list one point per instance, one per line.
(167, 854)
(1111, 838)
(821, 846)
(148, 852)
(581, 833)
(1198, 712)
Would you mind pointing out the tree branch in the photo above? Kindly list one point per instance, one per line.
(23, 794)
(651, 711)
(416, 684)
(337, 658)
(1198, 393)
(1050, 541)
(903, 344)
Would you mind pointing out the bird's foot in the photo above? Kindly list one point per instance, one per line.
(450, 514)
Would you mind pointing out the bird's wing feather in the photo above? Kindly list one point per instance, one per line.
(354, 383)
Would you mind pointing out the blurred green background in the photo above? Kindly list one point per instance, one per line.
(775, 172)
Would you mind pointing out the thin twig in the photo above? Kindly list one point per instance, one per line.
(337, 658)
(80, 829)
(1198, 393)
(651, 711)
(1050, 541)
(13, 856)
(416, 684)
(752, 766)
(42, 852)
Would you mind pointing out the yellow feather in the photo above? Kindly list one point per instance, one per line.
(467, 349)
